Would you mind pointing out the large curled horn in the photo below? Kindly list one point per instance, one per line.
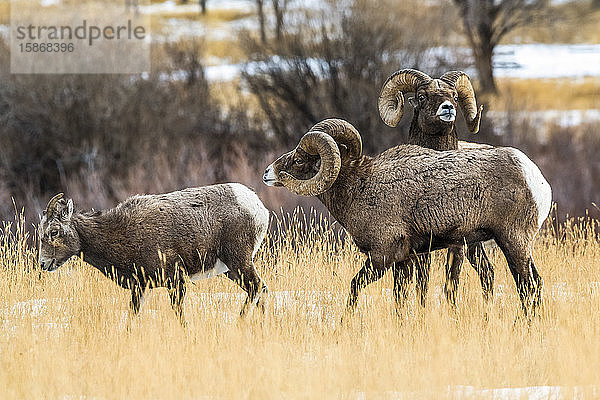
(391, 99)
(52, 204)
(344, 133)
(466, 98)
(320, 143)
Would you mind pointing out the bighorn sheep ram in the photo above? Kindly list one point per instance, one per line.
(154, 240)
(433, 126)
(412, 199)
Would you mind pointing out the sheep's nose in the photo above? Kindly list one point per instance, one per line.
(269, 176)
(447, 106)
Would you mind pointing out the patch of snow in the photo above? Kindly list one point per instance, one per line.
(178, 28)
(46, 3)
(230, 4)
(558, 2)
(511, 61)
(222, 73)
(33, 308)
(544, 119)
(173, 7)
(5, 31)
(546, 61)
(529, 392)
(169, 6)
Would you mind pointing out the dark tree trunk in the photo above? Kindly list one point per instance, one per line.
(485, 68)
(486, 22)
(596, 4)
(279, 11)
(203, 7)
(261, 20)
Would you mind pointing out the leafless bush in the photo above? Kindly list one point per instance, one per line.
(102, 137)
(335, 66)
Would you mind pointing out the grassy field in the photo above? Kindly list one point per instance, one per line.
(63, 336)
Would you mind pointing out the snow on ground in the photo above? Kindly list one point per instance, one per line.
(546, 61)
(169, 6)
(46, 3)
(545, 119)
(5, 31)
(530, 392)
(316, 304)
(222, 73)
(174, 7)
(526, 61)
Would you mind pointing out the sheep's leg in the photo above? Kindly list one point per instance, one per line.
(402, 276)
(454, 262)
(526, 284)
(137, 299)
(176, 294)
(525, 275)
(423, 264)
(369, 273)
(539, 284)
(482, 264)
(249, 280)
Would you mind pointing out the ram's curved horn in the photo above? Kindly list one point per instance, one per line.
(343, 133)
(466, 98)
(320, 143)
(50, 208)
(391, 98)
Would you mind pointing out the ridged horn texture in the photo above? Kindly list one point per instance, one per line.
(320, 143)
(343, 133)
(391, 98)
(51, 207)
(466, 97)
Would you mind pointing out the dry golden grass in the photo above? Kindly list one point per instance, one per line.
(548, 94)
(225, 49)
(567, 23)
(5, 12)
(62, 334)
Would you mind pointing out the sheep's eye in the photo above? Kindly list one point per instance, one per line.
(455, 97)
(53, 233)
(421, 97)
(298, 161)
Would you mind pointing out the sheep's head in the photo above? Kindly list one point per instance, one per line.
(313, 166)
(435, 100)
(57, 235)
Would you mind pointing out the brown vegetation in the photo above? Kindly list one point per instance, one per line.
(62, 335)
(103, 138)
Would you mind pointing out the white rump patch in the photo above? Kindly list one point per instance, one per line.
(247, 199)
(218, 269)
(538, 186)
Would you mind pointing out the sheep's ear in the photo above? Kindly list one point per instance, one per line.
(413, 102)
(67, 212)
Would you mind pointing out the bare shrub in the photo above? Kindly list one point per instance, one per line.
(335, 66)
(102, 137)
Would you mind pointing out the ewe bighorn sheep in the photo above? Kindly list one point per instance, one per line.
(154, 240)
(433, 126)
(412, 199)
